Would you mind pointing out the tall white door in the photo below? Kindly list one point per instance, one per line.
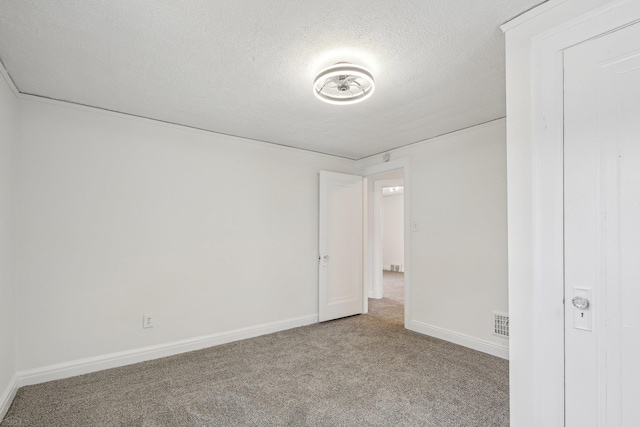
(340, 254)
(602, 230)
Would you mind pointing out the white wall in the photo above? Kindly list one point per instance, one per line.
(8, 138)
(120, 216)
(392, 230)
(459, 254)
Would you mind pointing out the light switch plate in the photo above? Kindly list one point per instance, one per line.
(147, 320)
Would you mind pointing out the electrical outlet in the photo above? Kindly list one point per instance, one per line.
(147, 320)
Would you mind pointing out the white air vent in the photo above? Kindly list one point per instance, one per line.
(501, 324)
(396, 267)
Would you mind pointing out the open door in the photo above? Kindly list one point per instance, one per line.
(602, 230)
(340, 254)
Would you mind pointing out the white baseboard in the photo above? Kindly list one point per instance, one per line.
(7, 396)
(114, 360)
(460, 339)
(375, 295)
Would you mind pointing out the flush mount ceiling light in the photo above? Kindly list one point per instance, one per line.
(343, 84)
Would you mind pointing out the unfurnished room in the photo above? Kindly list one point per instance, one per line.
(356, 213)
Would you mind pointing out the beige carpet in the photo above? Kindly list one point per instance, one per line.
(391, 307)
(359, 371)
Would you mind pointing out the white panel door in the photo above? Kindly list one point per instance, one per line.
(602, 230)
(340, 252)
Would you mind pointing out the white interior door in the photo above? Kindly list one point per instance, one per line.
(340, 260)
(602, 230)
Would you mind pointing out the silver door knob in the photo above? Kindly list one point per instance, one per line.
(580, 303)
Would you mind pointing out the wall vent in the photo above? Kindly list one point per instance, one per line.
(501, 324)
(396, 267)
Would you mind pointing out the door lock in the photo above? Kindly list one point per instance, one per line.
(582, 312)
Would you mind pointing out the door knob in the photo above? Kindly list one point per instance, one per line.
(580, 303)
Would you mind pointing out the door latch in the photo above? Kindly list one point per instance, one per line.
(582, 313)
(323, 259)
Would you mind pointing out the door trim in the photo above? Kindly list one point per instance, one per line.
(547, 191)
(404, 164)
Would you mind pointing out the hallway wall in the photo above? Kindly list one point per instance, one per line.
(392, 230)
(458, 201)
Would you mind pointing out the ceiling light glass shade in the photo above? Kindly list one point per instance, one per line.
(343, 84)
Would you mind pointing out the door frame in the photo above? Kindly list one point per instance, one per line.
(369, 264)
(547, 194)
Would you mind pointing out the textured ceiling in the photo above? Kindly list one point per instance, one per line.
(246, 68)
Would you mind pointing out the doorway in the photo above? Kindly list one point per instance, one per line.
(387, 241)
(348, 264)
(386, 296)
(552, 341)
